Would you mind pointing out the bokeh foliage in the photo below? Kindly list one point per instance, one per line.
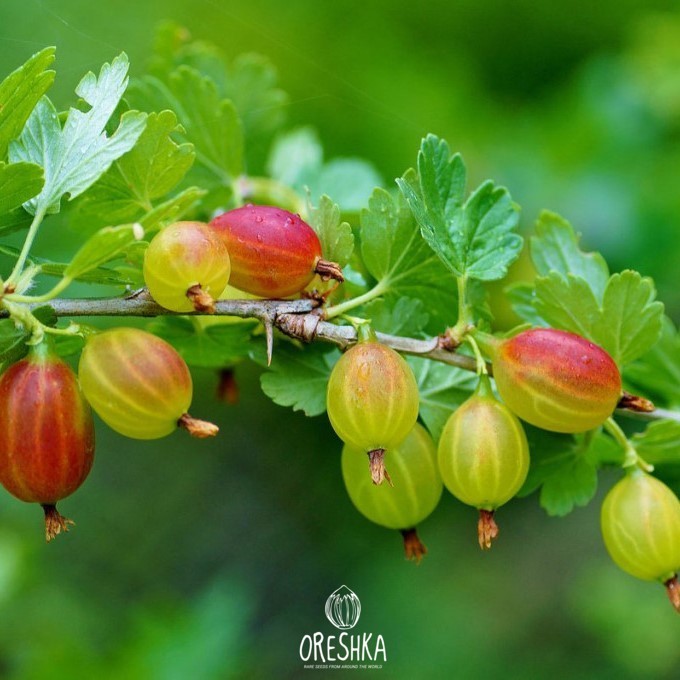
(212, 560)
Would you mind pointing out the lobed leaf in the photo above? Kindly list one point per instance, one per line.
(474, 238)
(205, 346)
(627, 323)
(659, 444)
(337, 239)
(555, 248)
(103, 246)
(442, 390)
(75, 157)
(299, 377)
(657, 373)
(396, 255)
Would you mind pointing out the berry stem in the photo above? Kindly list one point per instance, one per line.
(673, 590)
(26, 248)
(54, 522)
(487, 529)
(376, 464)
(414, 549)
(343, 307)
(329, 270)
(201, 300)
(631, 459)
(201, 429)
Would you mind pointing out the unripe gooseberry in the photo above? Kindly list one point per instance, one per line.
(416, 492)
(555, 380)
(46, 433)
(138, 384)
(274, 253)
(372, 400)
(640, 523)
(483, 456)
(185, 266)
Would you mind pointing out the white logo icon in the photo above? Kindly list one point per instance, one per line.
(343, 608)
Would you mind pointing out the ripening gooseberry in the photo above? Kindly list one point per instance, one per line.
(274, 253)
(46, 433)
(185, 266)
(372, 400)
(640, 523)
(138, 384)
(417, 487)
(555, 380)
(483, 456)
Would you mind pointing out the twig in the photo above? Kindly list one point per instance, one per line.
(299, 319)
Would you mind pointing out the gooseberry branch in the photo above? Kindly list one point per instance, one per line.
(299, 319)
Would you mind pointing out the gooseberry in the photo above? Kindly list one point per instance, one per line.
(372, 400)
(274, 253)
(417, 487)
(555, 380)
(483, 456)
(138, 384)
(185, 266)
(46, 433)
(640, 523)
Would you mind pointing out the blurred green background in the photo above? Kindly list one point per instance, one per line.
(213, 559)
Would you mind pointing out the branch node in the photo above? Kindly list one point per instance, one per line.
(300, 326)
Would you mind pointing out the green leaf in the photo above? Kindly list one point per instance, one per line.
(567, 303)
(173, 209)
(573, 483)
(152, 168)
(19, 182)
(337, 239)
(523, 301)
(563, 468)
(442, 390)
(555, 248)
(73, 158)
(349, 180)
(657, 373)
(295, 157)
(103, 246)
(210, 122)
(631, 319)
(659, 444)
(397, 316)
(627, 324)
(20, 92)
(474, 238)
(299, 377)
(12, 343)
(205, 346)
(397, 256)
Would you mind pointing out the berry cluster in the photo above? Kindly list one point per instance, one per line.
(141, 387)
(137, 383)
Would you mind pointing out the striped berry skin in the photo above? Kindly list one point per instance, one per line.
(556, 380)
(417, 482)
(137, 383)
(640, 523)
(273, 252)
(46, 430)
(46, 433)
(372, 401)
(181, 257)
(483, 451)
